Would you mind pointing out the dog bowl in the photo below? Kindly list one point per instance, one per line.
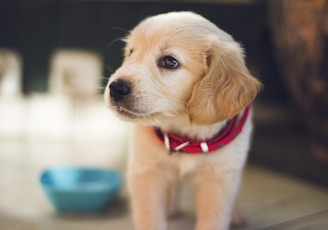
(77, 189)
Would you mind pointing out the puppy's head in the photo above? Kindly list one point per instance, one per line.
(179, 66)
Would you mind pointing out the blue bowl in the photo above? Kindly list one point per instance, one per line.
(77, 189)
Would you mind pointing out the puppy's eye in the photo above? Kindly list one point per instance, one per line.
(168, 62)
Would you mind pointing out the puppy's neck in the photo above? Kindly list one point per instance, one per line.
(192, 131)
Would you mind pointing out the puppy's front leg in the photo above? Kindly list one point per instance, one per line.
(149, 197)
(214, 201)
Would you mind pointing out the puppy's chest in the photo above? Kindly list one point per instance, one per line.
(190, 165)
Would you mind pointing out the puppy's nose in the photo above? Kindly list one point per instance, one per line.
(119, 89)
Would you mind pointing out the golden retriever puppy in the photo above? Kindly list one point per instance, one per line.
(184, 83)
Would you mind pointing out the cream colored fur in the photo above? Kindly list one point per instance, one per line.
(211, 85)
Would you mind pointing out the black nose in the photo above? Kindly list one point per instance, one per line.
(119, 89)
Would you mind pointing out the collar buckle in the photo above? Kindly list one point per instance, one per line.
(204, 147)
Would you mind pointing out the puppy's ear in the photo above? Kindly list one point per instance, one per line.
(226, 88)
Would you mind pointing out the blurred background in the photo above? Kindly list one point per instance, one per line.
(56, 56)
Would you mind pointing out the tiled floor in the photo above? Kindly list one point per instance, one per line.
(268, 200)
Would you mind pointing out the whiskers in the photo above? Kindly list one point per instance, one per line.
(107, 69)
(118, 39)
(102, 87)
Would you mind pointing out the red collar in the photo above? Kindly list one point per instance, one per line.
(174, 143)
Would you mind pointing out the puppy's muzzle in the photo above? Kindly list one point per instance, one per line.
(119, 89)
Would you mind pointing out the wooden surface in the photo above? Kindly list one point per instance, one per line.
(268, 200)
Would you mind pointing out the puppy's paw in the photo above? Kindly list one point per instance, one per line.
(237, 220)
(175, 215)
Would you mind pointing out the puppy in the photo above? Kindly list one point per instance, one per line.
(184, 83)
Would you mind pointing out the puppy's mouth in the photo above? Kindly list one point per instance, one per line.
(132, 114)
